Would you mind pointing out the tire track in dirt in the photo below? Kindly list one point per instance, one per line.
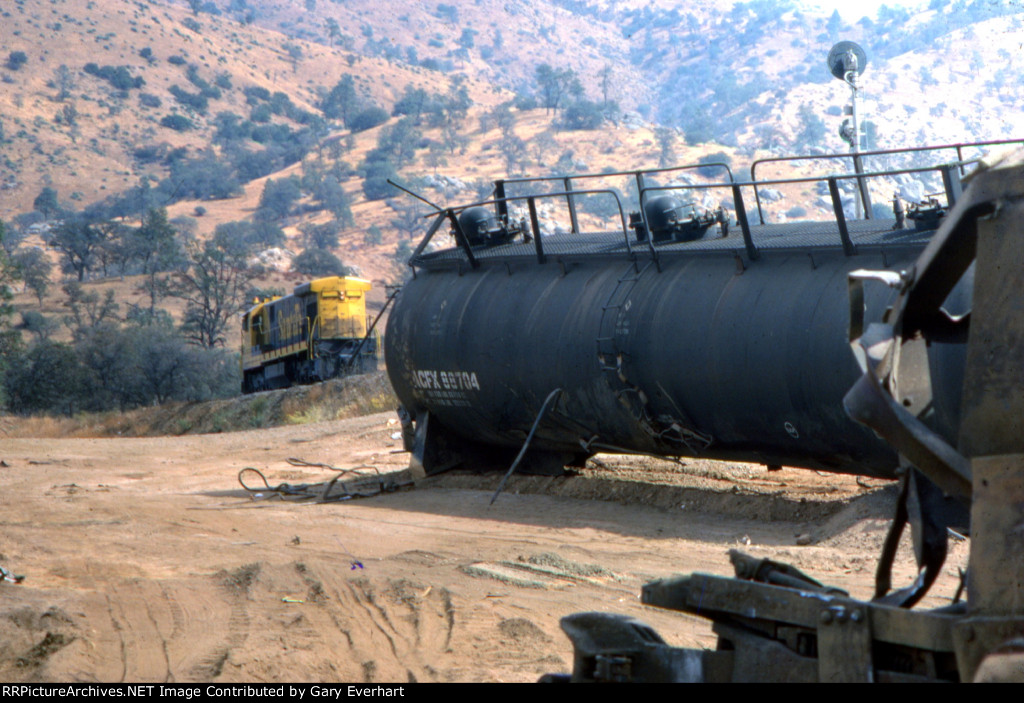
(392, 629)
(166, 572)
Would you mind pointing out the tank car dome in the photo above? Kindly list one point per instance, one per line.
(663, 213)
(477, 223)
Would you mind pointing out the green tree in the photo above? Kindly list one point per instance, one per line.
(88, 309)
(279, 197)
(341, 102)
(367, 118)
(412, 103)
(513, 150)
(179, 123)
(503, 117)
(16, 59)
(333, 30)
(110, 361)
(375, 179)
(77, 240)
(36, 323)
(166, 368)
(322, 236)
(582, 114)
(408, 219)
(555, 85)
(114, 248)
(333, 197)
(67, 115)
(467, 40)
(666, 139)
(156, 247)
(319, 262)
(34, 268)
(606, 82)
(212, 287)
(708, 171)
(454, 139)
(454, 105)
(295, 54)
(812, 127)
(266, 234)
(9, 339)
(397, 143)
(64, 80)
(48, 377)
(435, 155)
(46, 202)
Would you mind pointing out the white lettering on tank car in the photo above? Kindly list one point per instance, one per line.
(432, 379)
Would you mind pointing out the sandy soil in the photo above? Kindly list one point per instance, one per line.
(145, 560)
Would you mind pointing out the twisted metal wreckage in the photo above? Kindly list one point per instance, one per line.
(673, 341)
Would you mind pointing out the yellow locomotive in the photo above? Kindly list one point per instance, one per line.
(317, 332)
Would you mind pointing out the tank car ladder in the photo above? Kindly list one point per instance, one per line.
(619, 298)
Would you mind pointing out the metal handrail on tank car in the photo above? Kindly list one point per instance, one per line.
(959, 146)
(462, 241)
(569, 192)
(952, 190)
(500, 204)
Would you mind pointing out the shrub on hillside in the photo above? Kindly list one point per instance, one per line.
(179, 123)
(368, 118)
(319, 262)
(16, 59)
(118, 76)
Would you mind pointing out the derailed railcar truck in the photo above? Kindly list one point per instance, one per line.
(712, 334)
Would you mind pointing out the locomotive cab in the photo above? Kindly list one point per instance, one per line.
(317, 332)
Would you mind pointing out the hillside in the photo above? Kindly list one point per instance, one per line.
(735, 73)
(678, 65)
(275, 124)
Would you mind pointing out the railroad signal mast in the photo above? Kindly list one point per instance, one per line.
(847, 61)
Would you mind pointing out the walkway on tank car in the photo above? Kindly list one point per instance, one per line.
(747, 234)
(776, 236)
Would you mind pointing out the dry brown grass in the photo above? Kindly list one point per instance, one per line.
(332, 400)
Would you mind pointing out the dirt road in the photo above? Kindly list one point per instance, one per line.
(144, 559)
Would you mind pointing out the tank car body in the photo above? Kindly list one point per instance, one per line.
(727, 342)
(316, 333)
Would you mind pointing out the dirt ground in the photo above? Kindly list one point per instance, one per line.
(145, 560)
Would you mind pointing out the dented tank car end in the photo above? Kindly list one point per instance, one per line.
(318, 332)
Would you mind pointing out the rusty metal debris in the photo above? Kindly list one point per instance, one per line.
(357, 482)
